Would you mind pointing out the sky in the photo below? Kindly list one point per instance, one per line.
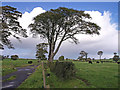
(104, 14)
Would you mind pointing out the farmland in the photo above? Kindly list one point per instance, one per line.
(9, 66)
(87, 76)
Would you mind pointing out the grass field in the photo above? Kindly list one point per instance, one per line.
(87, 76)
(8, 65)
(99, 75)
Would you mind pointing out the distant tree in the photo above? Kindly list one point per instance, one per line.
(67, 59)
(14, 57)
(58, 25)
(100, 53)
(93, 59)
(7, 56)
(115, 53)
(41, 51)
(9, 26)
(116, 57)
(61, 58)
(2, 57)
(83, 53)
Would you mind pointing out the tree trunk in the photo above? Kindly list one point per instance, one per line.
(51, 57)
(51, 52)
(100, 57)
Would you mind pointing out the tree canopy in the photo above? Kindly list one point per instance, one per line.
(62, 24)
(41, 51)
(116, 57)
(9, 26)
(83, 53)
(100, 53)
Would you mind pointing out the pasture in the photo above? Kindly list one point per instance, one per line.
(96, 75)
(9, 66)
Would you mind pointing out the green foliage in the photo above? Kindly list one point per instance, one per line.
(14, 57)
(62, 24)
(116, 58)
(63, 70)
(100, 53)
(61, 58)
(10, 26)
(41, 51)
(56, 82)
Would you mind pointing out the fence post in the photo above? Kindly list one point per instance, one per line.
(43, 74)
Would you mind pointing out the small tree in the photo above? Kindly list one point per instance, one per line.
(116, 57)
(83, 53)
(100, 53)
(7, 56)
(61, 58)
(41, 51)
(14, 57)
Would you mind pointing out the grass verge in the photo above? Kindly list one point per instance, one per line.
(10, 78)
(35, 80)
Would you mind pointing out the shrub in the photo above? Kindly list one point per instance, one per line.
(61, 58)
(63, 70)
(116, 58)
(14, 57)
(67, 59)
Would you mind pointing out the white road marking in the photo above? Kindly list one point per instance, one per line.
(11, 82)
(23, 69)
(7, 86)
(27, 69)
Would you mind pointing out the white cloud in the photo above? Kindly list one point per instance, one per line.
(27, 18)
(107, 41)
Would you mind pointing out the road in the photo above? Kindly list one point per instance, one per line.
(22, 73)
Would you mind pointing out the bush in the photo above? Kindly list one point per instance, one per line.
(116, 58)
(61, 58)
(14, 57)
(63, 70)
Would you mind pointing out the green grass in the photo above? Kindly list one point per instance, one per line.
(98, 75)
(55, 82)
(8, 65)
(34, 80)
(10, 78)
(87, 76)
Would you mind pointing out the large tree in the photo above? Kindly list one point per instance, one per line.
(9, 26)
(58, 25)
(41, 51)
